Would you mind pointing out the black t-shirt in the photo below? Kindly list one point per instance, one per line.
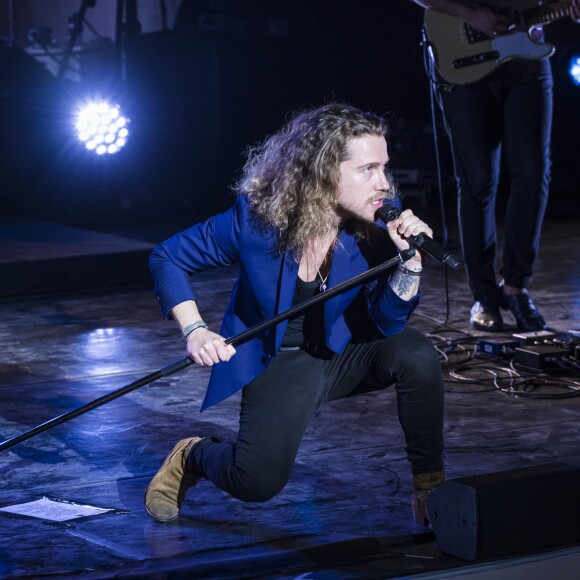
(308, 326)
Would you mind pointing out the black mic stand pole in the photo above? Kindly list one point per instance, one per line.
(183, 363)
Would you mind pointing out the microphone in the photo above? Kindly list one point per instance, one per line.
(388, 213)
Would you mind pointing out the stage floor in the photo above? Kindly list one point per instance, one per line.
(344, 514)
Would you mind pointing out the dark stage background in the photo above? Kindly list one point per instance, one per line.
(197, 96)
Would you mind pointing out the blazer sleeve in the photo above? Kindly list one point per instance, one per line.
(389, 312)
(210, 244)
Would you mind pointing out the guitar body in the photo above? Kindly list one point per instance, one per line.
(463, 55)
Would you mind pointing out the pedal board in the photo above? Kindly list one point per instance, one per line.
(538, 350)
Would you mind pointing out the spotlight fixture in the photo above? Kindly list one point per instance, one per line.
(102, 128)
(574, 69)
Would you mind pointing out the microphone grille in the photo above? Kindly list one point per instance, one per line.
(387, 213)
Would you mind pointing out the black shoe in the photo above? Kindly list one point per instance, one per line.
(485, 317)
(525, 312)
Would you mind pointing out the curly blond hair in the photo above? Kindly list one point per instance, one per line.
(291, 180)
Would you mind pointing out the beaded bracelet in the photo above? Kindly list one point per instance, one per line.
(191, 327)
(410, 272)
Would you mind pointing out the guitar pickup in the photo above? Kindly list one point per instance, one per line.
(474, 35)
(475, 59)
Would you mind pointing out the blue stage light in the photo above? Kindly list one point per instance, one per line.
(574, 69)
(102, 128)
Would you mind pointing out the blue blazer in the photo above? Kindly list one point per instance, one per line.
(265, 287)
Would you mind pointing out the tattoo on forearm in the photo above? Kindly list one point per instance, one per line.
(403, 283)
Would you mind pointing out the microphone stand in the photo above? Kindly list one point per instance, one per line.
(185, 362)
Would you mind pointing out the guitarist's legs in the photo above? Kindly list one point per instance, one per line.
(527, 121)
(511, 107)
(473, 119)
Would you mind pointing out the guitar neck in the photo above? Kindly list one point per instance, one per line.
(546, 14)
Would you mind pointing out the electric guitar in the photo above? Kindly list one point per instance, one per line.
(464, 55)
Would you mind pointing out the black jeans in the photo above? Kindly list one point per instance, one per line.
(277, 407)
(512, 108)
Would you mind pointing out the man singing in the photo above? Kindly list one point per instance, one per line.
(303, 221)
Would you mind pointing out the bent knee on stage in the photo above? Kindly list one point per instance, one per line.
(258, 488)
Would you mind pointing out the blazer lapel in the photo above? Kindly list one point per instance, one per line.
(285, 294)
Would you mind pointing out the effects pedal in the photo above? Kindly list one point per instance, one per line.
(540, 356)
(503, 348)
(535, 337)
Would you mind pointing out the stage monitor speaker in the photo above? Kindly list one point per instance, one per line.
(508, 512)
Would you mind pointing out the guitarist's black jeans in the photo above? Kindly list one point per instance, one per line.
(511, 109)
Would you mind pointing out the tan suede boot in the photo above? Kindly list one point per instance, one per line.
(423, 483)
(166, 491)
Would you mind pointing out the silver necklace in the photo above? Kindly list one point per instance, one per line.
(322, 287)
(323, 280)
